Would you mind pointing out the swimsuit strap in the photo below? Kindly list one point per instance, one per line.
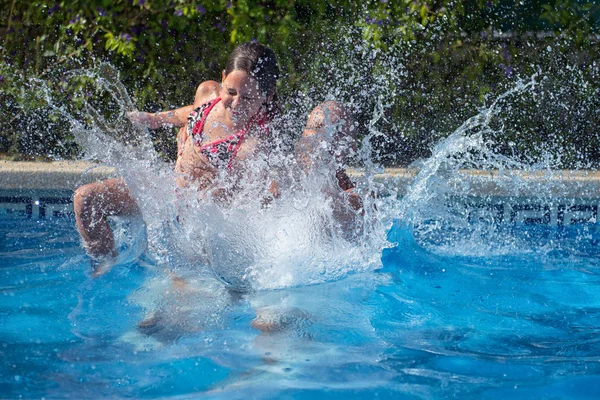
(256, 118)
(204, 109)
(259, 119)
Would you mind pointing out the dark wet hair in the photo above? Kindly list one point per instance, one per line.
(258, 61)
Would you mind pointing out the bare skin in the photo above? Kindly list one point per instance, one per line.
(325, 117)
(240, 100)
(92, 204)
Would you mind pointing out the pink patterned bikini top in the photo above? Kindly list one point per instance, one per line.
(220, 152)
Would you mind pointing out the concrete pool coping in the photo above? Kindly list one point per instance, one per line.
(553, 198)
(68, 175)
(55, 175)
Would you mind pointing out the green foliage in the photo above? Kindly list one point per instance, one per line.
(431, 63)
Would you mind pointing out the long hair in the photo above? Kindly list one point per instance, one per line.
(259, 62)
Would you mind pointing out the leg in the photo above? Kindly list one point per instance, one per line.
(92, 204)
(329, 123)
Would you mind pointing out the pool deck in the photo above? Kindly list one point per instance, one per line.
(580, 184)
(57, 175)
(68, 175)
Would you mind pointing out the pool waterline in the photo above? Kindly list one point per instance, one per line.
(40, 189)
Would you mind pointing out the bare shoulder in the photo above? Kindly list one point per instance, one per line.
(206, 91)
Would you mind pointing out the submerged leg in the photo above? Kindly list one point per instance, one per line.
(92, 204)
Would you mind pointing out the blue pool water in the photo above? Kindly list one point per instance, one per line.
(431, 323)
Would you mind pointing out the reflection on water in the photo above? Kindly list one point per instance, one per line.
(425, 325)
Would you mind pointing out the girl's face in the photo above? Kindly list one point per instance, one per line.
(241, 97)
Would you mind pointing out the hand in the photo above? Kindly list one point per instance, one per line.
(274, 189)
(220, 195)
(143, 118)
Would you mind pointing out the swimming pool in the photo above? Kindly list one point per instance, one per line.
(440, 319)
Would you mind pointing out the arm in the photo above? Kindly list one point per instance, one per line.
(347, 208)
(178, 117)
(330, 124)
(353, 199)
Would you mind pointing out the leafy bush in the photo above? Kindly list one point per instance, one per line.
(426, 65)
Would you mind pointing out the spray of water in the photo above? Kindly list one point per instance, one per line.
(248, 244)
(296, 239)
(452, 211)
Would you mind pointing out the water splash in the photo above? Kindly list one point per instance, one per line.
(456, 203)
(294, 240)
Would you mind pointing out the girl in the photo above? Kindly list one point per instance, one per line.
(217, 133)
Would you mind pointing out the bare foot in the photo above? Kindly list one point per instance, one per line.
(102, 265)
(273, 320)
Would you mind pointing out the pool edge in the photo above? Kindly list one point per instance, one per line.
(68, 175)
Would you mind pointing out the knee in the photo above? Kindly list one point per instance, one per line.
(84, 198)
(327, 113)
(80, 196)
(331, 122)
(334, 110)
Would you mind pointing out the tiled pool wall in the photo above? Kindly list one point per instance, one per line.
(511, 210)
(37, 203)
(45, 190)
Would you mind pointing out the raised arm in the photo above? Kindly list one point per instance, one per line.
(178, 117)
(175, 117)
